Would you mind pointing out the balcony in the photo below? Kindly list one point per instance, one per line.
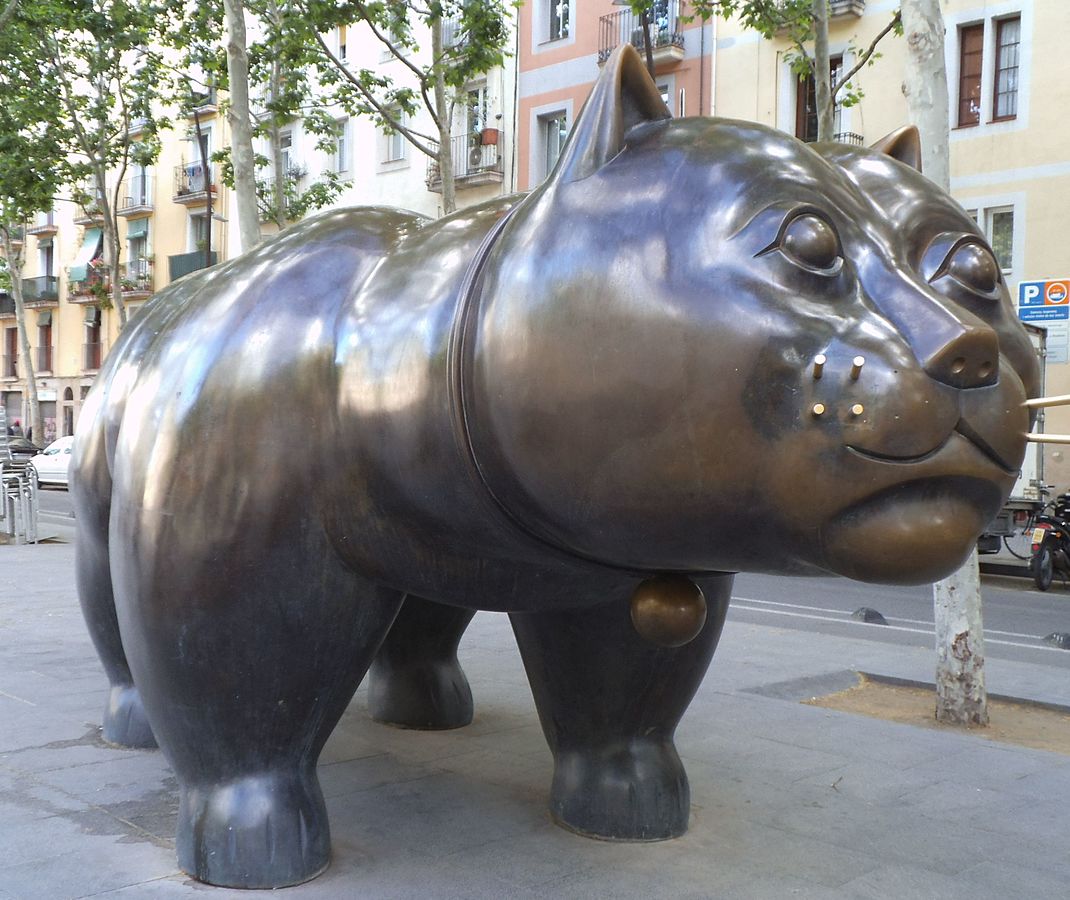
(135, 199)
(18, 236)
(841, 8)
(39, 291)
(7, 305)
(476, 161)
(624, 27)
(137, 279)
(184, 263)
(44, 225)
(94, 288)
(205, 102)
(849, 137)
(9, 367)
(189, 183)
(453, 35)
(44, 359)
(91, 356)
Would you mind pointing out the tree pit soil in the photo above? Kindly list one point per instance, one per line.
(1011, 721)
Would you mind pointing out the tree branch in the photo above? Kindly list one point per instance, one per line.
(867, 53)
(9, 12)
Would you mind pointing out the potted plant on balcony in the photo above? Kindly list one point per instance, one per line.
(488, 137)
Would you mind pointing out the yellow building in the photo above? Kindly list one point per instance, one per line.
(1010, 157)
(164, 230)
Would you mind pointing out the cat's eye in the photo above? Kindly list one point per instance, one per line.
(974, 267)
(811, 242)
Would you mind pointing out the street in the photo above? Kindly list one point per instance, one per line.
(1017, 617)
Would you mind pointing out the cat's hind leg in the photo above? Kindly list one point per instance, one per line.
(416, 680)
(609, 703)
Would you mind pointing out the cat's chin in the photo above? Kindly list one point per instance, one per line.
(912, 533)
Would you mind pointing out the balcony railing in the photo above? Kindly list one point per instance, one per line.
(624, 27)
(44, 359)
(91, 355)
(136, 196)
(184, 263)
(44, 224)
(137, 278)
(90, 212)
(18, 235)
(7, 304)
(476, 160)
(9, 367)
(849, 137)
(453, 35)
(205, 101)
(42, 289)
(189, 182)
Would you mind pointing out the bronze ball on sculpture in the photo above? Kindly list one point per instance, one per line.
(668, 610)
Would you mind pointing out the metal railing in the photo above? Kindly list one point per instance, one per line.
(44, 358)
(626, 27)
(472, 155)
(137, 275)
(189, 179)
(45, 222)
(137, 193)
(91, 355)
(848, 137)
(96, 283)
(41, 288)
(453, 35)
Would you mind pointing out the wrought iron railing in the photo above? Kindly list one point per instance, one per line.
(189, 179)
(473, 154)
(184, 263)
(137, 275)
(848, 137)
(137, 193)
(626, 27)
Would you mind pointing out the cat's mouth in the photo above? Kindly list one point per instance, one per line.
(962, 428)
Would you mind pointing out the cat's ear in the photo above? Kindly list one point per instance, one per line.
(903, 144)
(624, 96)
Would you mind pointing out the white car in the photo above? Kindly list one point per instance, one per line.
(51, 464)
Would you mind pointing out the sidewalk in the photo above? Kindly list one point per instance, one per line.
(788, 800)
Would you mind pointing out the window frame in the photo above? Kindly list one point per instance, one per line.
(998, 25)
(990, 16)
(975, 78)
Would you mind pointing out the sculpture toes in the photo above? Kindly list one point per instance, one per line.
(125, 722)
(630, 791)
(430, 696)
(261, 831)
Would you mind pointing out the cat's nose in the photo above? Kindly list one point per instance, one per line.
(969, 358)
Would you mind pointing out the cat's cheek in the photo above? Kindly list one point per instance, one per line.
(911, 533)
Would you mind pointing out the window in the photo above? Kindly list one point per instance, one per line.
(342, 42)
(286, 143)
(1008, 38)
(44, 342)
(394, 141)
(995, 86)
(340, 156)
(11, 353)
(553, 131)
(997, 223)
(475, 110)
(198, 231)
(46, 256)
(91, 358)
(559, 15)
(971, 47)
(806, 104)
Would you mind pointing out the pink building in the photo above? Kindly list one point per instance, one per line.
(562, 44)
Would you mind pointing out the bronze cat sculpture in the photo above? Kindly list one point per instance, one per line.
(700, 347)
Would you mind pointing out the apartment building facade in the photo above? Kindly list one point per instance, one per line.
(169, 225)
(1010, 160)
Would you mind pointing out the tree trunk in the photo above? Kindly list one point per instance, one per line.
(960, 651)
(14, 267)
(925, 85)
(823, 72)
(960, 648)
(445, 120)
(241, 130)
(275, 136)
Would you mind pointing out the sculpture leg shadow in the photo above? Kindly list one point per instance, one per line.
(416, 680)
(246, 658)
(609, 703)
(125, 723)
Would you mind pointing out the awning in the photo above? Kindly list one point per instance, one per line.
(91, 248)
(44, 318)
(137, 228)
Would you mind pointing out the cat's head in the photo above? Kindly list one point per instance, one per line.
(705, 345)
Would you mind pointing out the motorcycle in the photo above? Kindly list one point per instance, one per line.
(1051, 543)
